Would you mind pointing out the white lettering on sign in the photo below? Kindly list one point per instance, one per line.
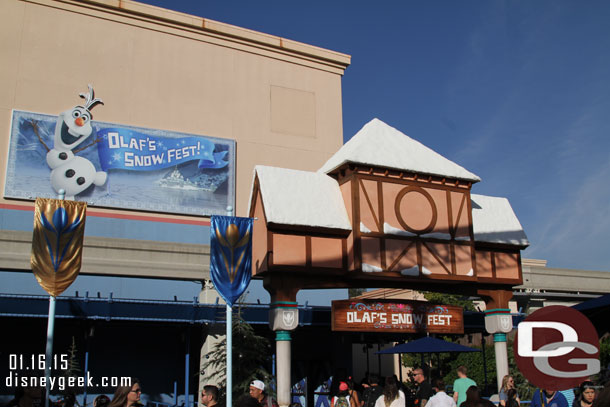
(436, 319)
(367, 317)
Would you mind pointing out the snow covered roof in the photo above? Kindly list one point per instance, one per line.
(380, 145)
(302, 198)
(293, 197)
(494, 221)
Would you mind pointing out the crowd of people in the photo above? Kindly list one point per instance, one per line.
(465, 393)
(392, 393)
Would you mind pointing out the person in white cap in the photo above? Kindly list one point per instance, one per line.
(257, 390)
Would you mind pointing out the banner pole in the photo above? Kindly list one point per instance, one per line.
(50, 334)
(229, 343)
(49, 350)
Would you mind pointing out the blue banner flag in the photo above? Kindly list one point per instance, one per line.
(231, 256)
(126, 149)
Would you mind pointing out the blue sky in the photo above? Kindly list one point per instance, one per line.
(516, 91)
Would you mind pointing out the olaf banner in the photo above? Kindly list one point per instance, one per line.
(115, 166)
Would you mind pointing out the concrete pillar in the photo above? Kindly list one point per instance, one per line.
(213, 334)
(501, 357)
(283, 363)
(499, 322)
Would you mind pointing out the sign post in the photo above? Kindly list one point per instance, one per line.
(57, 246)
(230, 269)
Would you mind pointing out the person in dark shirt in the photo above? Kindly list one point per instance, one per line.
(548, 398)
(209, 396)
(424, 389)
(257, 390)
(372, 392)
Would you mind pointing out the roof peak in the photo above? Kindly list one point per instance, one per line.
(381, 145)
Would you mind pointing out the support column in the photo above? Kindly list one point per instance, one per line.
(499, 322)
(283, 352)
(501, 357)
(283, 318)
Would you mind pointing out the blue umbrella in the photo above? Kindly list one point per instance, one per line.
(428, 345)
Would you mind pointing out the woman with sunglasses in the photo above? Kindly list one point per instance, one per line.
(127, 396)
(508, 382)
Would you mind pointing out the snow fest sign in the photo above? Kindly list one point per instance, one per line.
(118, 167)
(396, 316)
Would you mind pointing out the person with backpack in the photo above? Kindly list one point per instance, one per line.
(372, 392)
(342, 399)
(353, 393)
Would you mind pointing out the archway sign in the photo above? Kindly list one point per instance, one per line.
(384, 212)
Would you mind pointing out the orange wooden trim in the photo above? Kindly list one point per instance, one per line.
(452, 227)
(303, 230)
(254, 201)
(498, 281)
(439, 261)
(499, 247)
(381, 221)
(356, 224)
(420, 262)
(520, 268)
(269, 249)
(344, 256)
(280, 269)
(493, 264)
(370, 204)
(428, 197)
(308, 260)
(453, 260)
(413, 179)
(142, 218)
(473, 258)
(380, 203)
(401, 255)
(459, 215)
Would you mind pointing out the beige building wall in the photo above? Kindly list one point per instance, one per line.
(154, 68)
(279, 99)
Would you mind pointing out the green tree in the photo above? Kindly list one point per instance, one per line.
(354, 292)
(524, 388)
(474, 362)
(251, 356)
(68, 394)
(449, 299)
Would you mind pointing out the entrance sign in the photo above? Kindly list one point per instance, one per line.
(123, 167)
(396, 316)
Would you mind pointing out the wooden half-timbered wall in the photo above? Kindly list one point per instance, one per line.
(406, 228)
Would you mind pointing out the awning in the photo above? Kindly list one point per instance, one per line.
(428, 345)
(598, 312)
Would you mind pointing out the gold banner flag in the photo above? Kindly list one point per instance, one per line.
(57, 244)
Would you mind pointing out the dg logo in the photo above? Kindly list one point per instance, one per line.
(557, 348)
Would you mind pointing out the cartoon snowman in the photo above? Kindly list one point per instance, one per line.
(71, 173)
